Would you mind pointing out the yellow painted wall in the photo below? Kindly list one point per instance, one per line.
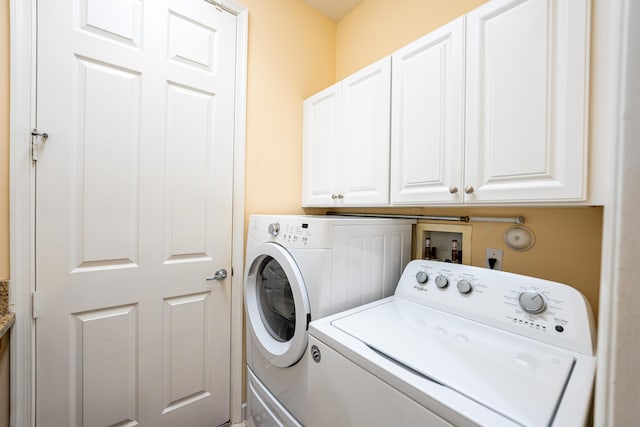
(291, 56)
(4, 139)
(378, 27)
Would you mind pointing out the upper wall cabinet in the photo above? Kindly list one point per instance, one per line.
(427, 118)
(488, 109)
(526, 101)
(345, 153)
(497, 115)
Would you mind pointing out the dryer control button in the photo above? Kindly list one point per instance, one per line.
(464, 286)
(422, 277)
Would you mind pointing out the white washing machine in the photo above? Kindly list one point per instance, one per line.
(301, 268)
(456, 345)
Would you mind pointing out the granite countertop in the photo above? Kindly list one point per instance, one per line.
(6, 322)
(7, 319)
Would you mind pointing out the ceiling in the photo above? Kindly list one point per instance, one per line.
(334, 9)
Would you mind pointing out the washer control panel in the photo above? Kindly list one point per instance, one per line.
(537, 308)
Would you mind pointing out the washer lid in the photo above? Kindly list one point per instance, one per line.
(514, 376)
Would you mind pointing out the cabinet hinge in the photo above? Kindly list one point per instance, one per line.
(37, 139)
(35, 306)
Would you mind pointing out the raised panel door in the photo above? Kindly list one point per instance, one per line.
(427, 118)
(133, 212)
(321, 128)
(526, 101)
(363, 149)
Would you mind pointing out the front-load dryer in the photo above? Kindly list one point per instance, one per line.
(302, 268)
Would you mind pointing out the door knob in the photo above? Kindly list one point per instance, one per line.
(218, 275)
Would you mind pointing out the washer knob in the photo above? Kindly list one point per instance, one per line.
(532, 302)
(442, 281)
(464, 287)
(422, 277)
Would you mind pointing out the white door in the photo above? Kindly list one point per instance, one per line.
(427, 118)
(527, 101)
(133, 212)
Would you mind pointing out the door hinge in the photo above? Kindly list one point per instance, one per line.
(35, 306)
(37, 139)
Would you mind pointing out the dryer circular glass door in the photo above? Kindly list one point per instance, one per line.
(277, 304)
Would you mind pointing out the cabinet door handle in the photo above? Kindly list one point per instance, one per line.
(334, 196)
(453, 189)
(468, 189)
(340, 197)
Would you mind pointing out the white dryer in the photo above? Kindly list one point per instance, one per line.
(456, 345)
(301, 268)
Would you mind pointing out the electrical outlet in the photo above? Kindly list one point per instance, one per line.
(495, 254)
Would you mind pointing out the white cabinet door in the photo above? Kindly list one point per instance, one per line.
(320, 133)
(345, 155)
(363, 149)
(427, 118)
(526, 101)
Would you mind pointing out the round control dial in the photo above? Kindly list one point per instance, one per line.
(274, 229)
(422, 277)
(464, 287)
(532, 302)
(442, 281)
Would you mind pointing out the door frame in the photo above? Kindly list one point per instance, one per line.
(619, 107)
(23, 64)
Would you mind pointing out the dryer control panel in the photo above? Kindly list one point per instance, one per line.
(544, 310)
(291, 231)
(321, 232)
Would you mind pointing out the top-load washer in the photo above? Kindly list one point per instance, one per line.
(301, 268)
(456, 345)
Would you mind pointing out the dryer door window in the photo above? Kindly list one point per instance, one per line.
(277, 304)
